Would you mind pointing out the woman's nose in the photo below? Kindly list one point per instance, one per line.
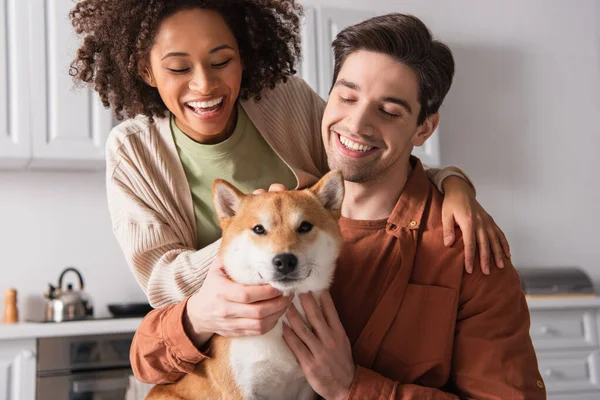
(203, 82)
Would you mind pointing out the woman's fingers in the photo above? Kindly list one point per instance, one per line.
(484, 251)
(496, 247)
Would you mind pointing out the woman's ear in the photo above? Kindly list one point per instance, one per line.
(426, 129)
(145, 73)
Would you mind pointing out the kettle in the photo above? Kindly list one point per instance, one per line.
(67, 305)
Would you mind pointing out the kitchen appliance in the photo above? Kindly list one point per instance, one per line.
(562, 281)
(67, 305)
(94, 367)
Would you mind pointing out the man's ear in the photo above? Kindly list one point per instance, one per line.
(145, 73)
(426, 129)
(226, 200)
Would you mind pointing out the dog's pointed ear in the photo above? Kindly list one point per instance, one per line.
(330, 191)
(226, 199)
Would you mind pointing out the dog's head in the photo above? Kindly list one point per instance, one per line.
(290, 240)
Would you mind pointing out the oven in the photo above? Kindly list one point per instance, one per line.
(84, 367)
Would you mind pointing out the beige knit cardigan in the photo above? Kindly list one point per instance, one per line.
(149, 197)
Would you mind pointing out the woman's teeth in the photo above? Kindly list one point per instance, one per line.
(205, 106)
(349, 144)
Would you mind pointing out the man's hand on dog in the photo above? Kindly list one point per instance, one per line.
(324, 353)
(231, 309)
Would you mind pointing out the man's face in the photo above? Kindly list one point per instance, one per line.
(370, 122)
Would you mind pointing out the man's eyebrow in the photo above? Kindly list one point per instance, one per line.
(348, 84)
(182, 54)
(400, 102)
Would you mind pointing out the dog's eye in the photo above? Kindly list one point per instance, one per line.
(259, 230)
(305, 227)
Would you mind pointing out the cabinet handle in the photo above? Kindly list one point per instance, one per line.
(27, 354)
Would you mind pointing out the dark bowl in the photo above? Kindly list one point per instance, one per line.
(129, 310)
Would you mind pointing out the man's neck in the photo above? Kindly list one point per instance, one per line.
(375, 199)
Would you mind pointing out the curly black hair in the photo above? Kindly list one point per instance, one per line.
(117, 34)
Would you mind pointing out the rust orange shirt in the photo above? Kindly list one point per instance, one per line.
(420, 326)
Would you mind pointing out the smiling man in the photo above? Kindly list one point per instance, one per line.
(410, 323)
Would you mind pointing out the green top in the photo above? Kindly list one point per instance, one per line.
(244, 159)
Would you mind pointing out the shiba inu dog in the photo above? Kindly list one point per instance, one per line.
(290, 240)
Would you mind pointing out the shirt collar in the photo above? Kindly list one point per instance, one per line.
(409, 209)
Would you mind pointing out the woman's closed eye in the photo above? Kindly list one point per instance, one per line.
(178, 71)
(221, 65)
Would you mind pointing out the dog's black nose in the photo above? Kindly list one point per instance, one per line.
(285, 263)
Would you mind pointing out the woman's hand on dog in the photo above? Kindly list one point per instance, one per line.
(323, 352)
(231, 309)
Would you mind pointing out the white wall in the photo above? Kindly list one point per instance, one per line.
(49, 221)
(522, 117)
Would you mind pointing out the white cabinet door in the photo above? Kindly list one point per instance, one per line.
(15, 114)
(71, 125)
(308, 67)
(17, 370)
(332, 22)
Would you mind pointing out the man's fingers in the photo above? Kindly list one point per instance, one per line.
(300, 328)
(314, 316)
(295, 344)
(329, 311)
(259, 191)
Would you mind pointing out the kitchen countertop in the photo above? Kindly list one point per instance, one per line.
(566, 302)
(33, 330)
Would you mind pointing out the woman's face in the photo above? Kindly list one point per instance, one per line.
(196, 67)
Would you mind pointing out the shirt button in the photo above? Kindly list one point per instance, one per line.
(412, 224)
(540, 384)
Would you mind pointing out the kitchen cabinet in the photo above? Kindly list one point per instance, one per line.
(565, 337)
(71, 125)
(17, 369)
(45, 121)
(15, 114)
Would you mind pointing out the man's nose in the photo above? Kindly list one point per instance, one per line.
(358, 121)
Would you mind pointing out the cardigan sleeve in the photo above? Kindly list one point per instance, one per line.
(156, 237)
(438, 175)
(166, 268)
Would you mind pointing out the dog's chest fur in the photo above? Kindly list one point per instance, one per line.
(264, 367)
